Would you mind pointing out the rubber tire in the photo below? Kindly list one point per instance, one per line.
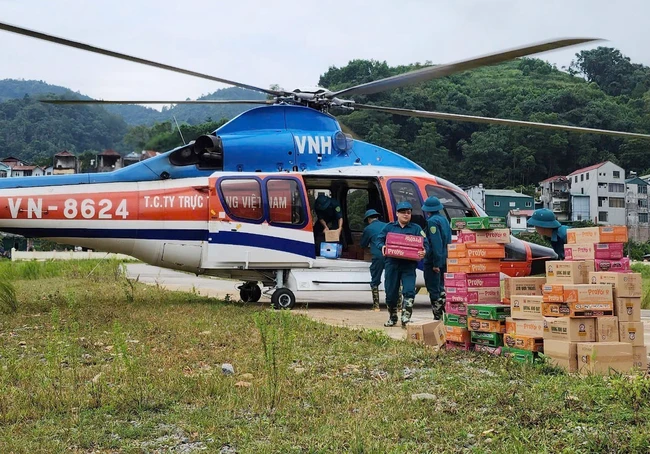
(250, 293)
(283, 298)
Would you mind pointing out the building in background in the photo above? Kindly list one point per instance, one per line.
(636, 199)
(555, 195)
(499, 202)
(518, 220)
(65, 163)
(604, 184)
(109, 160)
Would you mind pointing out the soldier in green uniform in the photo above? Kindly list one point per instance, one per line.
(370, 238)
(401, 270)
(438, 237)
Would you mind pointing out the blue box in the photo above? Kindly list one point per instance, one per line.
(330, 250)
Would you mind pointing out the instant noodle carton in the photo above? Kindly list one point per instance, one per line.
(604, 357)
(523, 286)
(577, 309)
(608, 251)
(588, 293)
(553, 293)
(402, 240)
(430, 332)
(496, 351)
(455, 308)
(570, 329)
(583, 251)
(486, 253)
(612, 234)
(613, 265)
(488, 311)
(456, 250)
(489, 339)
(519, 355)
(640, 357)
(501, 236)
(627, 309)
(584, 235)
(631, 332)
(522, 342)
(562, 354)
(457, 334)
(486, 326)
(567, 272)
(526, 307)
(607, 329)
(478, 223)
(625, 284)
(534, 328)
(455, 320)
(451, 345)
(401, 252)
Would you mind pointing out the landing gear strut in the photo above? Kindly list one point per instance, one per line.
(250, 292)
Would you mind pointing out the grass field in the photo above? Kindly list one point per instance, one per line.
(90, 362)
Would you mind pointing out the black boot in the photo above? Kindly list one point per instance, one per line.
(392, 317)
(407, 311)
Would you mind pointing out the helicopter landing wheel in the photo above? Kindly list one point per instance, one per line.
(283, 298)
(250, 292)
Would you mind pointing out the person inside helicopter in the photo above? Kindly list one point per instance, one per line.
(329, 217)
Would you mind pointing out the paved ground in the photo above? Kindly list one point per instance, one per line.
(350, 309)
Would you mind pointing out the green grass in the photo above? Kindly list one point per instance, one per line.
(90, 363)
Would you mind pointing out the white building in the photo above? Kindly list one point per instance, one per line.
(477, 194)
(636, 198)
(555, 195)
(518, 220)
(604, 184)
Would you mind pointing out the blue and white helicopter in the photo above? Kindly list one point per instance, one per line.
(237, 203)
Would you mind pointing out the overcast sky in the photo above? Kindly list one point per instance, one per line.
(289, 42)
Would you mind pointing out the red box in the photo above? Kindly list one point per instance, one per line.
(613, 265)
(608, 251)
(401, 252)
(455, 308)
(401, 240)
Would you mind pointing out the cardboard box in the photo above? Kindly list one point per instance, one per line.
(577, 309)
(496, 351)
(582, 251)
(486, 326)
(562, 354)
(478, 223)
(494, 282)
(456, 320)
(488, 311)
(607, 329)
(330, 250)
(430, 332)
(455, 308)
(401, 252)
(613, 265)
(628, 309)
(631, 332)
(479, 245)
(566, 272)
(489, 339)
(500, 236)
(526, 307)
(570, 329)
(604, 357)
(519, 355)
(608, 251)
(457, 334)
(613, 234)
(486, 295)
(523, 286)
(640, 358)
(487, 253)
(588, 293)
(625, 284)
(533, 328)
(402, 240)
(332, 236)
(456, 250)
(475, 268)
(553, 293)
(583, 235)
(522, 342)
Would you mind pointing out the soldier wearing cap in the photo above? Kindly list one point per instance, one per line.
(401, 270)
(328, 217)
(438, 236)
(548, 226)
(370, 238)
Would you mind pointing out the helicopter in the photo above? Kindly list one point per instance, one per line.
(238, 203)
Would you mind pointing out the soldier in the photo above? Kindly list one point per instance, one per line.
(548, 226)
(435, 263)
(329, 217)
(370, 238)
(401, 270)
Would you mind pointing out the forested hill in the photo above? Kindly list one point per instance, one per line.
(602, 89)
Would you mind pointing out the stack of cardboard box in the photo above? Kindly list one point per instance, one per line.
(487, 324)
(602, 245)
(473, 276)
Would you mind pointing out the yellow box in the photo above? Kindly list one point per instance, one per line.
(584, 235)
(565, 272)
(632, 333)
(627, 309)
(604, 357)
(534, 328)
(522, 342)
(626, 284)
(486, 326)
(431, 332)
(640, 357)
(570, 329)
(523, 286)
(588, 293)
(562, 354)
(613, 234)
(607, 329)
(526, 307)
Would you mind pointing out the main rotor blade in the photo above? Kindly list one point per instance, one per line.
(498, 121)
(435, 72)
(110, 53)
(197, 101)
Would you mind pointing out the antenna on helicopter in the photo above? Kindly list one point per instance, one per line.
(179, 130)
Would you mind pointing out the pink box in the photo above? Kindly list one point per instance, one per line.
(455, 283)
(455, 308)
(461, 295)
(399, 239)
(608, 251)
(466, 237)
(613, 265)
(487, 295)
(401, 252)
(451, 345)
(483, 281)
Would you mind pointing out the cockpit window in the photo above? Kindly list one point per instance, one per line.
(456, 206)
(405, 191)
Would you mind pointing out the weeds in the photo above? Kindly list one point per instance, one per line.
(8, 300)
(633, 390)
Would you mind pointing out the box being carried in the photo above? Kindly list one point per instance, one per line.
(402, 240)
(478, 223)
(330, 250)
(400, 252)
(332, 236)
